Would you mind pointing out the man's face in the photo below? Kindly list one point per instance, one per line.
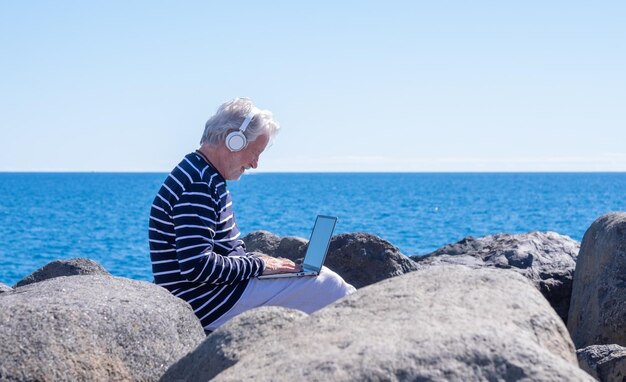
(240, 161)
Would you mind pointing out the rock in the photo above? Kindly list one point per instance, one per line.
(359, 258)
(440, 323)
(597, 314)
(227, 344)
(5, 288)
(94, 327)
(292, 247)
(363, 259)
(547, 259)
(289, 247)
(261, 241)
(57, 268)
(603, 362)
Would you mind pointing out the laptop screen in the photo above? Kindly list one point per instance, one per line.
(318, 244)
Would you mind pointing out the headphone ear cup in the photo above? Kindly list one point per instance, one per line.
(236, 141)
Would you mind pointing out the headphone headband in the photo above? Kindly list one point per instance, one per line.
(246, 121)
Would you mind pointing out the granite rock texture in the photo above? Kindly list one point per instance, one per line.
(359, 258)
(363, 259)
(57, 268)
(597, 314)
(264, 242)
(607, 363)
(548, 259)
(441, 323)
(227, 344)
(93, 328)
(5, 288)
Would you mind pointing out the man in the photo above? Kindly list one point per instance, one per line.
(195, 245)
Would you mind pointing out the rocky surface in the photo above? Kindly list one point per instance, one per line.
(440, 323)
(363, 259)
(463, 312)
(289, 247)
(360, 258)
(265, 242)
(597, 314)
(547, 259)
(93, 328)
(603, 362)
(5, 288)
(58, 268)
(224, 347)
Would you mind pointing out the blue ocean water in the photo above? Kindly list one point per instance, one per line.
(104, 216)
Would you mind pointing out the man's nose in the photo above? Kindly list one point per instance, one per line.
(255, 163)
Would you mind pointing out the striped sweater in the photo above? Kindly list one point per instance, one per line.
(195, 244)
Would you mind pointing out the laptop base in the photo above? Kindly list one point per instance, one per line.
(291, 274)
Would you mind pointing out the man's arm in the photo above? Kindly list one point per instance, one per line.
(195, 221)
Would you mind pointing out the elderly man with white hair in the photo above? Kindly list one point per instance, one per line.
(195, 246)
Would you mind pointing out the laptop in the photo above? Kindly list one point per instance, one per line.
(315, 251)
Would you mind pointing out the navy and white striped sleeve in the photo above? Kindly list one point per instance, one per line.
(195, 217)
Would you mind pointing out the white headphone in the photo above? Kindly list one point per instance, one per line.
(237, 141)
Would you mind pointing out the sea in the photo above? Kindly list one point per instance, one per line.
(104, 216)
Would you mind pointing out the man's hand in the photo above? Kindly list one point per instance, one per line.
(275, 265)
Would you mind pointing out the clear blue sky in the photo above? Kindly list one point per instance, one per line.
(356, 86)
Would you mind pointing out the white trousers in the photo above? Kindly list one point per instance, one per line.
(307, 294)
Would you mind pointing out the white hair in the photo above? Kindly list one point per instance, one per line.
(231, 115)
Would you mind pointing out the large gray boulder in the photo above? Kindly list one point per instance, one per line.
(93, 328)
(440, 323)
(262, 241)
(265, 242)
(227, 344)
(548, 259)
(363, 259)
(58, 268)
(359, 258)
(603, 362)
(5, 288)
(597, 314)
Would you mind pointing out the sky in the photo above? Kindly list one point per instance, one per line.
(385, 86)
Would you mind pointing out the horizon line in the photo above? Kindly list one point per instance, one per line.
(333, 172)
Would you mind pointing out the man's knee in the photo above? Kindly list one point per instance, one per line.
(335, 284)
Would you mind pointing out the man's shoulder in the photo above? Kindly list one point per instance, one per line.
(192, 166)
(194, 170)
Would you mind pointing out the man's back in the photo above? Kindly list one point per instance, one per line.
(195, 248)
